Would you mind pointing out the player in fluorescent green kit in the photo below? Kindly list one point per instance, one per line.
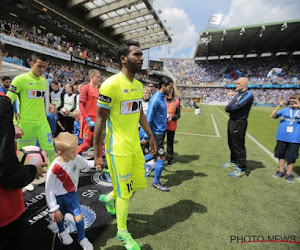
(120, 103)
(31, 89)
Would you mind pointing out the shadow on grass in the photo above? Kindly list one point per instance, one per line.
(252, 165)
(178, 177)
(297, 170)
(120, 247)
(142, 225)
(185, 158)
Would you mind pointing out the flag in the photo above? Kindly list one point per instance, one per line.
(273, 73)
(232, 73)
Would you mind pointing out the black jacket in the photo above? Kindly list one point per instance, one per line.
(13, 175)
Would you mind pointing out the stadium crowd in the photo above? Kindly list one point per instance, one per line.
(188, 72)
(55, 41)
(264, 96)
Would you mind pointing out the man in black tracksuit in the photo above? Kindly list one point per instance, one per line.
(238, 110)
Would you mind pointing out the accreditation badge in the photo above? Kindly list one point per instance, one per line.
(289, 129)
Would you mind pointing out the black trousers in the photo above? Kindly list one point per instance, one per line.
(68, 123)
(170, 144)
(236, 142)
(12, 235)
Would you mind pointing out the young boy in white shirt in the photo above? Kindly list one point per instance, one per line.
(61, 186)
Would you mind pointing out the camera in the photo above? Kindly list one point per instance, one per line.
(288, 102)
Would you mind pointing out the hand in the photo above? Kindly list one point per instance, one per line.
(39, 169)
(63, 129)
(169, 119)
(153, 145)
(18, 132)
(91, 124)
(57, 216)
(144, 142)
(283, 102)
(98, 163)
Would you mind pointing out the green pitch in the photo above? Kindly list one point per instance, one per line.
(206, 208)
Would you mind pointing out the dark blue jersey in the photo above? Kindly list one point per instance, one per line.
(240, 105)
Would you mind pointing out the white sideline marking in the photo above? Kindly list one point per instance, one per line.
(216, 129)
(262, 147)
(215, 125)
(183, 133)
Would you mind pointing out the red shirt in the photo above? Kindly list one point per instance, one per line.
(88, 101)
(171, 109)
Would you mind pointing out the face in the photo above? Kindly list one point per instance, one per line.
(6, 83)
(77, 118)
(53, 110)
(69, 154)
(146, 95)
(151, 86)
(134, 61)
(295, 103)
(96, 78)
(69, 89)
(38, 67)
(170, 95)
(241, 85)
(166, 90)
(75, 88)
(54, 86)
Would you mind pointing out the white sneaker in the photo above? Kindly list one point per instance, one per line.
(29, 187)
(86, 245)
(65, 238)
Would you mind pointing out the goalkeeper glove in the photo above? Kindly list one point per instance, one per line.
(90, 123)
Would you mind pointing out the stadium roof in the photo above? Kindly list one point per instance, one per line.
(256, 39)
(113, 21)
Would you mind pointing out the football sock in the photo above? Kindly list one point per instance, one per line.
(148, 157)
(122, 212)
(80, 230)
(111, 196)
(158, 169)
(60, 225)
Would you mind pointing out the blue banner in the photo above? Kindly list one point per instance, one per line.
(266, 86)
(13, 60)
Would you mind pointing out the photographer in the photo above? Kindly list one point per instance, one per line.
(288, 136)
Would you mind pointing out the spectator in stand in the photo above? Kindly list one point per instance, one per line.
(13, 176)
(68, 106)
(53, 120)
(173, 109)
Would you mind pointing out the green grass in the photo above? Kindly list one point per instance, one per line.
(205, 206)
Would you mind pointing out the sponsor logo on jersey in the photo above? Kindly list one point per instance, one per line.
(35, 94)
(13, 88)
(139, 88)
(125, 91)
(49, 138)
(30, 83)
(104, 98)
(74, 167)
(131, 107)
